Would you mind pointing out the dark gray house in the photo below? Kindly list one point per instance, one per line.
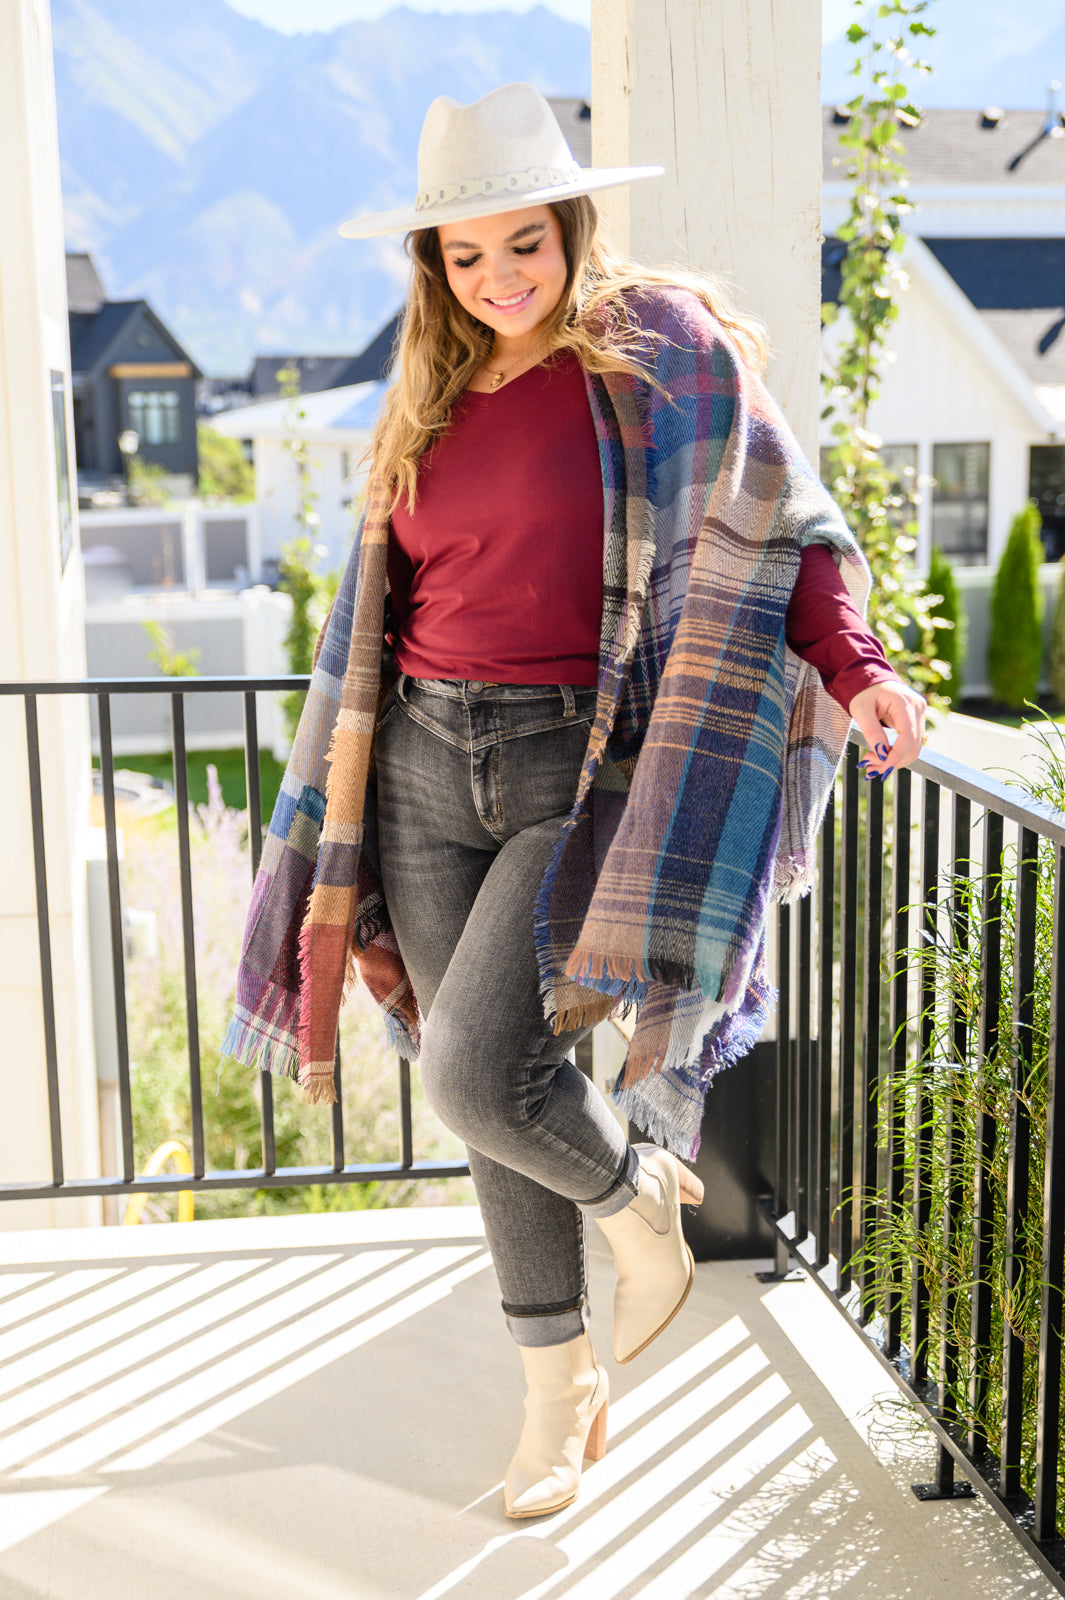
(129, 374)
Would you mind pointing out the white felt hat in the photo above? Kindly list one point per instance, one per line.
(503, 152)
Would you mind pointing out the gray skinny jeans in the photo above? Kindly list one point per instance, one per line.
(474, 783)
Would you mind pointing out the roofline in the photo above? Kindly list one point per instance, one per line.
(842, 189)
(919, 260)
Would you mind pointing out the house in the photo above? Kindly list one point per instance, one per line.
(973, 401)
(336, 425)
(129, 375)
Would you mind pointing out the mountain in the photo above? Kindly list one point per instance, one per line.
(208, 160)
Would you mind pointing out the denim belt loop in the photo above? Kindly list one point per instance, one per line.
(568, 701)
(401, 684)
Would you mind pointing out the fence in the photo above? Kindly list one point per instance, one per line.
(922, 1003)
(101, 693)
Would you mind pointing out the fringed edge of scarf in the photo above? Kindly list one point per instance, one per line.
(671, 1111)
(245, 1043)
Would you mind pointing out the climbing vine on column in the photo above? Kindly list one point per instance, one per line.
(877, 502)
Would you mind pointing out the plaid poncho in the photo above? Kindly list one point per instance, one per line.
(708, 767)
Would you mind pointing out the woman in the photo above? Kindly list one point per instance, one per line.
(597, 759)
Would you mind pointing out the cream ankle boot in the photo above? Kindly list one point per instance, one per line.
(565, 1423)
(654, 1266)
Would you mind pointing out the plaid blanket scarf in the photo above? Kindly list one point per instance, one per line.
(709, 764)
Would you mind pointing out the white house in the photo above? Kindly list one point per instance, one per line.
(975, 396)
(336, 425)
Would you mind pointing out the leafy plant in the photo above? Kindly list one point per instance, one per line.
(172, 662)
(146, 482)
(225, 471)
(962, 1104)
(949, 620)
(1015, 646)
(870, 493)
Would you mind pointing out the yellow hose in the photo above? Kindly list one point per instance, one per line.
(158, 1159)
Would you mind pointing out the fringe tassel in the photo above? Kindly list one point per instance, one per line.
(653, 1105)
(318, 1088)
(245, 1044)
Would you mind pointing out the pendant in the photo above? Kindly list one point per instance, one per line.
(497, 379)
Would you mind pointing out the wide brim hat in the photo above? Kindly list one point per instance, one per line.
(502, 153)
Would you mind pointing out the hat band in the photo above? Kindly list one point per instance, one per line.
(501, 183)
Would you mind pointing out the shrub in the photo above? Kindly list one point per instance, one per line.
(1015, 647)
(225, 472)
(950, 622)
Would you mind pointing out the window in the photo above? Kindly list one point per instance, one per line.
(901, 461)
(1046, 486)
(155, 414)
(959, 501)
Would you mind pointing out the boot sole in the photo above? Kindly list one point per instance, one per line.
(623, 1361)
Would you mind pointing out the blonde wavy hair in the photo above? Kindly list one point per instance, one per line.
(440, 346)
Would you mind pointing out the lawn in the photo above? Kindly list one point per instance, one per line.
(230, 765)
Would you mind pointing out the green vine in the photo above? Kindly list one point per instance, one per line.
(297, 562)
(877, 503)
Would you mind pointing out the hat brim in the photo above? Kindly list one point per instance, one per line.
(406, 219)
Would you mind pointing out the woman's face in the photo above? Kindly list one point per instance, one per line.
(507, 271)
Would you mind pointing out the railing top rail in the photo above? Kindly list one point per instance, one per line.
(229, 685)
(987, 792)
(984, 791)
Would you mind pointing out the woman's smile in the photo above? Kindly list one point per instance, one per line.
(508, 271)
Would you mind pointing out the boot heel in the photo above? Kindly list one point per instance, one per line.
(595, 1448)
(691, 1187)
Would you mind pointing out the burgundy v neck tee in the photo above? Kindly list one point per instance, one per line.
(498, 573)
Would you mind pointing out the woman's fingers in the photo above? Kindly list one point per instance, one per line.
(892, 705)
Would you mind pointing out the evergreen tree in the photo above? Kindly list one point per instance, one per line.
(1015, 647)
(951, 622)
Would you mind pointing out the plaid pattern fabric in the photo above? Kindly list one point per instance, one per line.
(707, 772)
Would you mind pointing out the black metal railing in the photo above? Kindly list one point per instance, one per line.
(935, 921)
(100, 693)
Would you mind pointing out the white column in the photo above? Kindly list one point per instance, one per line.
(725, 94)
(41, 637)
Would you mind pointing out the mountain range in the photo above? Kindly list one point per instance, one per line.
(207, 160)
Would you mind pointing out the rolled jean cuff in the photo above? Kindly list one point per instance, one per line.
(537, 1329)
(621, 1191)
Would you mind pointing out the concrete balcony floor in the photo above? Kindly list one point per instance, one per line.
(322, 1408)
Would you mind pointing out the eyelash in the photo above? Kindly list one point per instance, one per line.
(519, 250)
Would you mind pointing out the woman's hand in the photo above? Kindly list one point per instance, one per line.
(889, 705)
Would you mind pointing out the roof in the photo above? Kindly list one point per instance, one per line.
(1016, 285)
(85, 292)
(970, 147)
(349, 410)
(91, 337)
(318, 373)
(574, 117)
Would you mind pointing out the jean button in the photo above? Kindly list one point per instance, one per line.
(476, 686)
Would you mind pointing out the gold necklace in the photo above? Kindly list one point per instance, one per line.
(498, 378)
